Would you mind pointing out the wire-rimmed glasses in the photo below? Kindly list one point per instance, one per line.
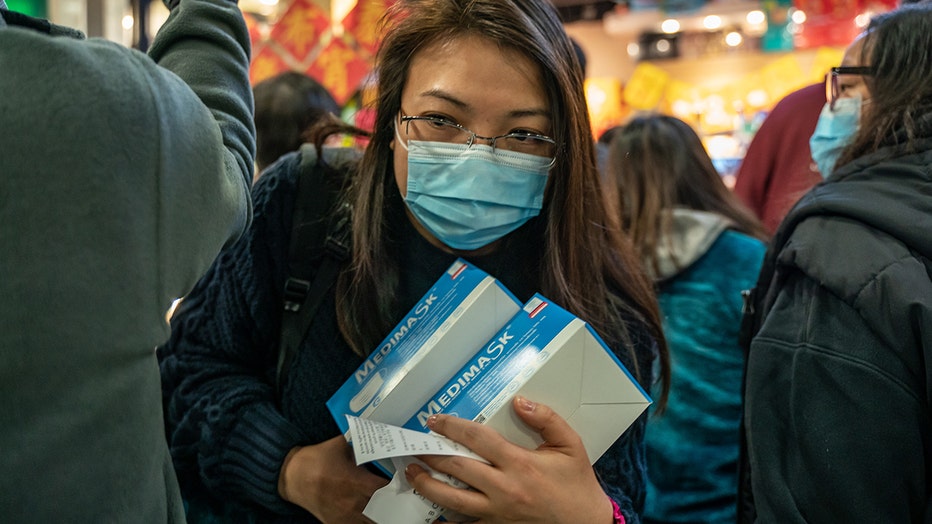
(437, 129)
(832, 89)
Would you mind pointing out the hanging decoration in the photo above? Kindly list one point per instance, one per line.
(266, 63)
(646, 86)
(337, 53)
(255, 32)
(340, 68)
(300, 29)
(363, 23)
(834, 22)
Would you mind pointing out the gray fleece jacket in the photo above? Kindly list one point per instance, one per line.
(121, 178)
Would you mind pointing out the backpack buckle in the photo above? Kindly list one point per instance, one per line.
(295, 293)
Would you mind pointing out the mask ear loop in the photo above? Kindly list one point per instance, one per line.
(402, 142)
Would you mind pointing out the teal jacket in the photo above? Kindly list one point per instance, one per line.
(121, 177)
(692, 448)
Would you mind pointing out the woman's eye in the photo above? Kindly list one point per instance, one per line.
(848, 86)
(523, 134)
(440, 120)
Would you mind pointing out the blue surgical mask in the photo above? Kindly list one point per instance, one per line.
(833, 132)
(470, 196)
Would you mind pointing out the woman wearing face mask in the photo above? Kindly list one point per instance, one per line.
(845, 92)
(482, 150)
(838, 422)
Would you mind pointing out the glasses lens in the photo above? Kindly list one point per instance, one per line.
(526, 144)
(436, 131)
(834, 88)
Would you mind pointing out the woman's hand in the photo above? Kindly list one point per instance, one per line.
(325, 480)
(554, 483)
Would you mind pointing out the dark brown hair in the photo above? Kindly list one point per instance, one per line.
(286, 105)
(586, 260)
(896, 45)
(658, 163)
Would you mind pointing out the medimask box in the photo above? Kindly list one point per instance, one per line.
(547, 355)
(465, 307)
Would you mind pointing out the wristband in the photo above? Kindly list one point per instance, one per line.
(617, 517)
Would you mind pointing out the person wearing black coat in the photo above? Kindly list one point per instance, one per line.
(838, 426)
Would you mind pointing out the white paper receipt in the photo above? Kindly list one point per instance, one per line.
(377, 441)
(398, 503)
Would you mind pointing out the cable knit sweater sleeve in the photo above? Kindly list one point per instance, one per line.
(222, 423)
(622, 469)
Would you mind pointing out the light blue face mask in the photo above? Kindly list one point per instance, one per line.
(469, 197)
(833, 132)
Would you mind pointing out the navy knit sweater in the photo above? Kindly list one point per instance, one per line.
(228, 435)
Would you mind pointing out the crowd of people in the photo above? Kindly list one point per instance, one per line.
(783, 330)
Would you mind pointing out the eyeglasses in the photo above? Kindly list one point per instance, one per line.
(437, 129)
(832, 90)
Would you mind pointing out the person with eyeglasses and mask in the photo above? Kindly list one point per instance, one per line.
(845, 93)
(838, 393)
(481, 149)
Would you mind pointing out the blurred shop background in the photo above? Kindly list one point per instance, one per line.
(718, 64)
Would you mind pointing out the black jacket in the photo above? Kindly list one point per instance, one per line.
(837, 423)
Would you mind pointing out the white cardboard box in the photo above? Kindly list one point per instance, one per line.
(550, 356)
(469, 346)
(441, 332)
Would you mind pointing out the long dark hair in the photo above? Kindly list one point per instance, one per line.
(896, 45)
(585, 261)
(658, 163)
(286, 105)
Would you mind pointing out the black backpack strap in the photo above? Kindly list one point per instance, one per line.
(320, 244)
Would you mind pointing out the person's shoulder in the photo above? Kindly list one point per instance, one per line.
(278, 179)
(843, 254)
(738, 250)
(741, 241)
(734, 259)
(812, 94)
(802, 106)
(92, 73)
(72, 44)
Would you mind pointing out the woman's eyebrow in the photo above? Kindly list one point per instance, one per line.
(464, 106)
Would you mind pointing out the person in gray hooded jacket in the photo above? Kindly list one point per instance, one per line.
(838, 411)
(123, 176)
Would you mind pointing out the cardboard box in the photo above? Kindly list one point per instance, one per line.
(441, 332)
(550, 356)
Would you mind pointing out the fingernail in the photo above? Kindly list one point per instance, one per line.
(525, 404)
(432, 421)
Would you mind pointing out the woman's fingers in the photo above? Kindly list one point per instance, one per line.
(481, 440)
(460, 500)
(554, 483)
(471, 472)
(490, 445)
(556, 432)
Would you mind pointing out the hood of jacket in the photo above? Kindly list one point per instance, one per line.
(889, 191)
(870, 214)
(691, 235)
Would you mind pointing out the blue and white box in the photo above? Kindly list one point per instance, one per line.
(550, 356)
(441, 332)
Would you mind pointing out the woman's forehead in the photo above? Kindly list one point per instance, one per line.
(470, 70)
